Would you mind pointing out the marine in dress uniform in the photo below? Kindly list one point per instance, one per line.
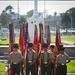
(46, 59)
(61, 61)
(14, 59)
(31, 60)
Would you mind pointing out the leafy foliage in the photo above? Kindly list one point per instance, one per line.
(65, 20)
(4, 19)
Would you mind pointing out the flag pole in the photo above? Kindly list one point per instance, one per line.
(18, 12)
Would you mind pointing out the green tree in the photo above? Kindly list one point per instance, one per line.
(71, 13)
(4, 19)
(65, 20)
(22, 19)
(9, 8)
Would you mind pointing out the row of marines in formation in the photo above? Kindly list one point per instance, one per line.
(47, 63)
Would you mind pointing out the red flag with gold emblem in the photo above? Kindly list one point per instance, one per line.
(57, 41)
(35, 42)
(21, 40)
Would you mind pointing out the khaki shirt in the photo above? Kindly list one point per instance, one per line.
(51, 54)
(31, 55)
(15, 57)
(46, 56)
(62, 58)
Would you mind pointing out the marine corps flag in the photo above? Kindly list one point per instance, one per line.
(21, 40)
(58, 39)
(35, 42)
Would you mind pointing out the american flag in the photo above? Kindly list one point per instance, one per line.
(11, 36)
(25, 32)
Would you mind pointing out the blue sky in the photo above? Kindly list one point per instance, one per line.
(50, 6)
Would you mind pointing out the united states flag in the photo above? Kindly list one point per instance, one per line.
(25, 32)
(11, 36)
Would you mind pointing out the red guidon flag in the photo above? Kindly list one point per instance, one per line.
(57, 41)
(21, 40)
(35, 42)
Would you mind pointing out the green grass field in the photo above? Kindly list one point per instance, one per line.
(63, 38)
(2, 66)
(7, 41)
(71, 67)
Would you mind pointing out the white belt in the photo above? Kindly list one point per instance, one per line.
(62, 64)
(45, 62)
(29, 61)
(15, 62)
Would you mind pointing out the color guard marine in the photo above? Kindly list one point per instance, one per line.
(15, 58)
(61, 61)
(30, 60)
(46, 59)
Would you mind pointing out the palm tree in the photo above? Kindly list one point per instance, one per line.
(71, 13)
(9, 8)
